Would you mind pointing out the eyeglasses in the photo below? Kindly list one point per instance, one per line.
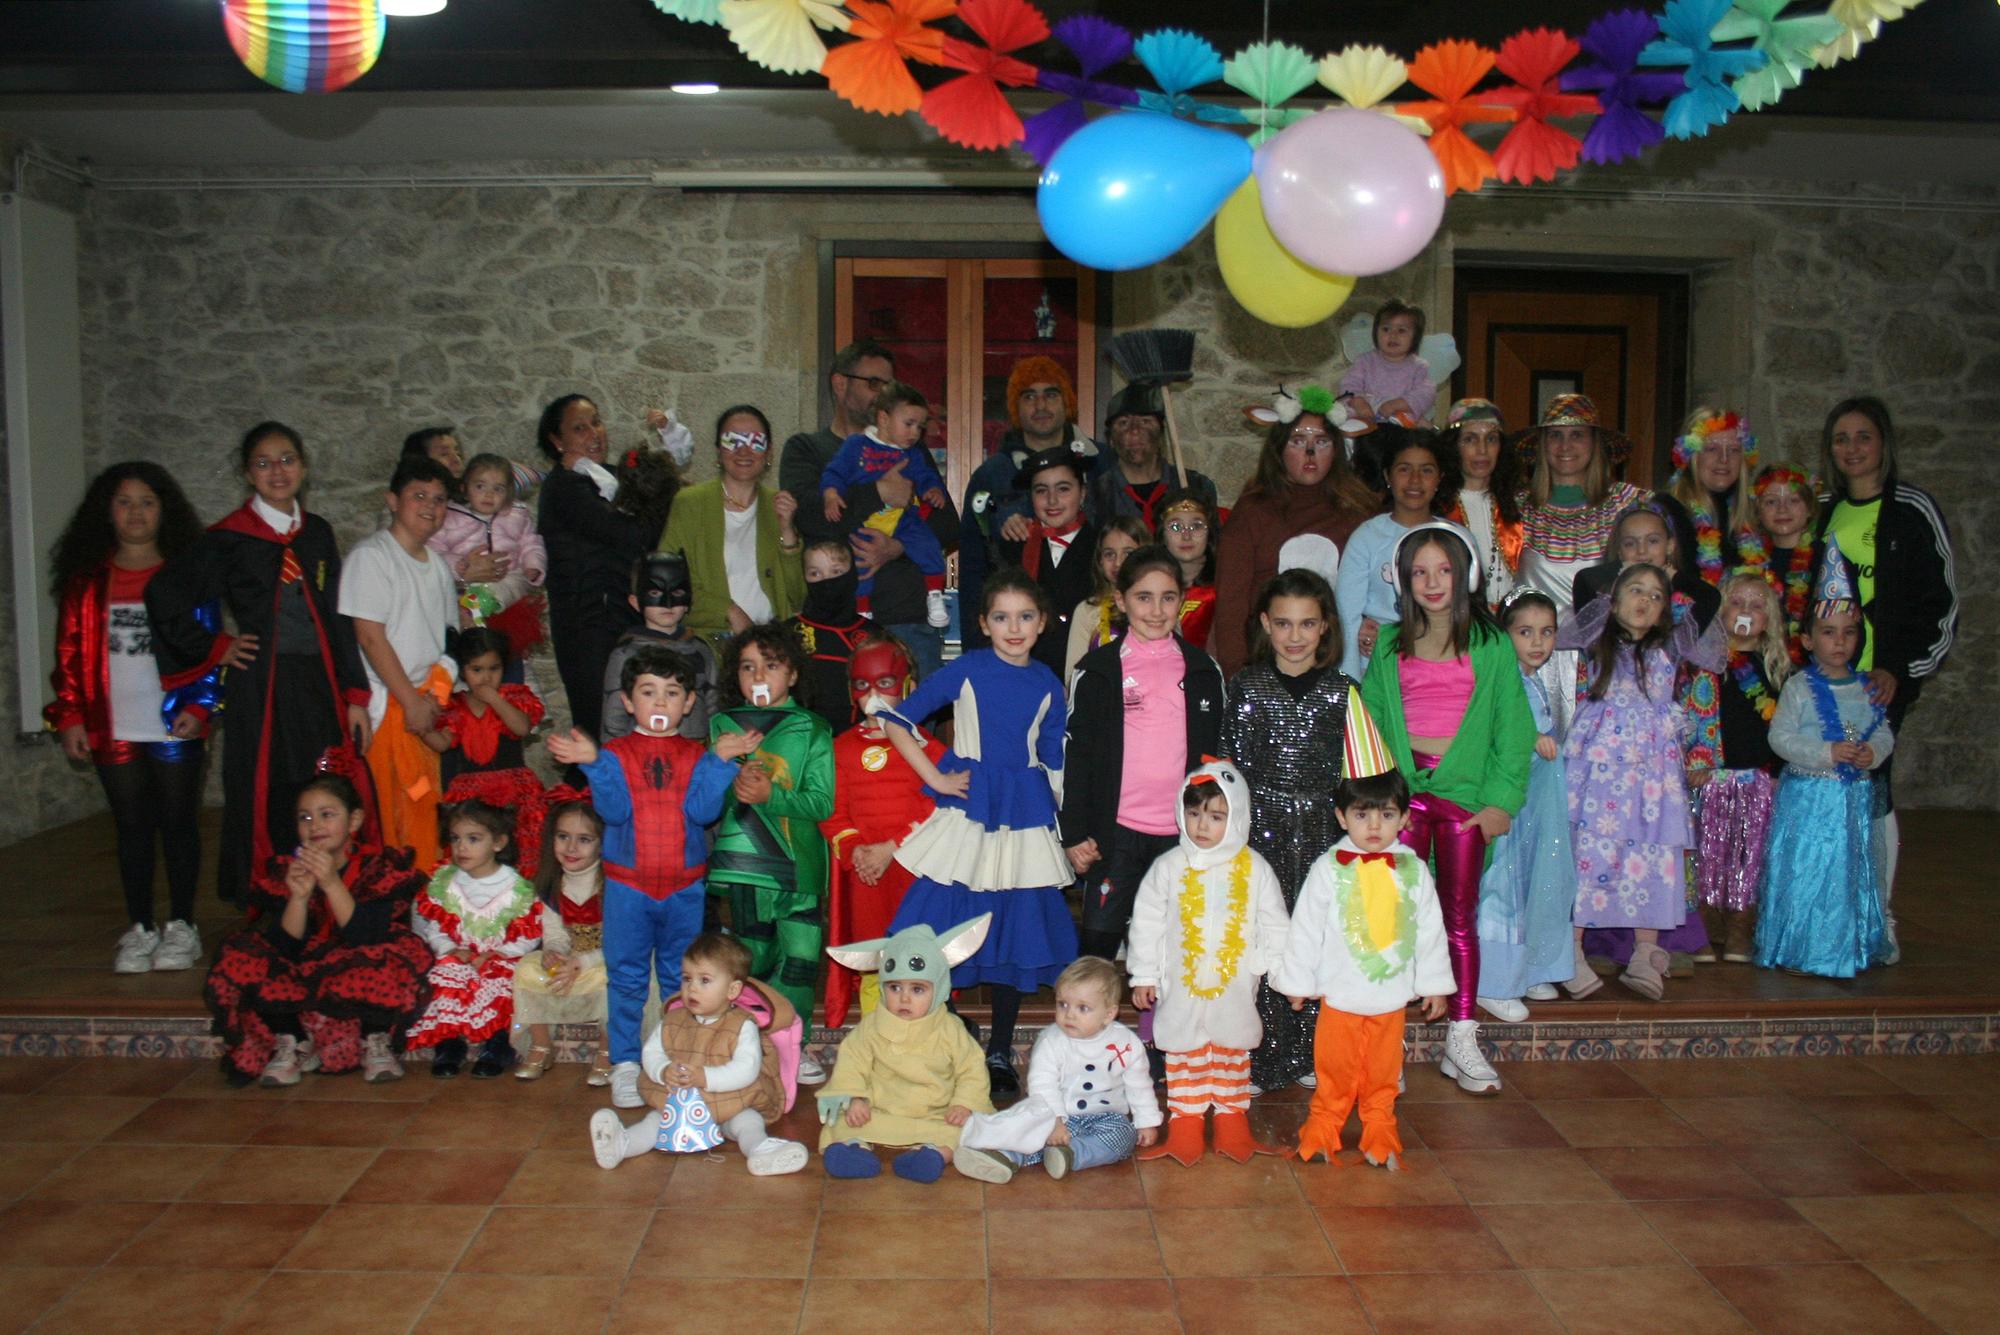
(267, 463)
(1187, 526)
(878, 383)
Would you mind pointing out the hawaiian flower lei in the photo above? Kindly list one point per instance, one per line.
(1376, 965)
(1194, 907)
(1748, 672)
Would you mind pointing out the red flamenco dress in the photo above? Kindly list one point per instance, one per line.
(498, 914)
(876, 797)
(338, 980)
(486, 762)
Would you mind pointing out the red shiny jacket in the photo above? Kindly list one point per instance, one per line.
(82, 675)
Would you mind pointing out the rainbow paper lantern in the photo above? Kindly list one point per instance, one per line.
(305, 46)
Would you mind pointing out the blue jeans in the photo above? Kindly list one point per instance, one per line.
(643, 936)
(926, 646)
(1095, 1139)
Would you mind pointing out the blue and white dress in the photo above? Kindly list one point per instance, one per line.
(1819, 910)
(996, 850)
(1529, 887)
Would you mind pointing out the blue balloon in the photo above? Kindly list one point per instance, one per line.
(1132, 188)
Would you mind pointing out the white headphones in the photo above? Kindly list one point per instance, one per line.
(1392, 572)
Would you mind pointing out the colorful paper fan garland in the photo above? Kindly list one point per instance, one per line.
(1535, 150)
(1362, 76)
(872, 71)
(1687, 38)
(694, 11)
(1270, 74)
(1098, 44)
(1449, 71)
(305, 46)
(971, 110)
(782, 35)
(1788, 45)
(1621, 130)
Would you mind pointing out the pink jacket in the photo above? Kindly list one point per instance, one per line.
(511, 534)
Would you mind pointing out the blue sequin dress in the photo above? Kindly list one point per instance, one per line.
(1529, 886)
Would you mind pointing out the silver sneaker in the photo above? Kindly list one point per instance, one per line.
(291, 1059)
(378, 1060)
(135, 950)
(1465, 1063)
(180, 947)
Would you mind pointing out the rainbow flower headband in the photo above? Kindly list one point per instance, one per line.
(1779, 475)
(1688, 446)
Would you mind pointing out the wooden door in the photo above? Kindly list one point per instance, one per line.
(1621, 339)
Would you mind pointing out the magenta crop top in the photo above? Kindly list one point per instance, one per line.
(1434, 695)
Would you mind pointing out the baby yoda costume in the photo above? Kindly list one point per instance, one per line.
(911, 1071)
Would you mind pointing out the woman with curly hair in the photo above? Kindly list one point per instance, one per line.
(111, 708)
(1489, 492)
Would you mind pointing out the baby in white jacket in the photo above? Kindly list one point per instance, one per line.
(1090, 1097)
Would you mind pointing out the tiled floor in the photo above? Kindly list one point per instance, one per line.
(1781, 1195)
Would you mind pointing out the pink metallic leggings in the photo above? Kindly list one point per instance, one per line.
(1459, 857)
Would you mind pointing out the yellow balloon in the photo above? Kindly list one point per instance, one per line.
(1263, 276)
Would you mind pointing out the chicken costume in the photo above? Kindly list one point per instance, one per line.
(1207, 924)
(912, 1072)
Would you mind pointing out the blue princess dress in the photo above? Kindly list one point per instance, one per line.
(995, 850)
(1529, 887)
(1818, 908)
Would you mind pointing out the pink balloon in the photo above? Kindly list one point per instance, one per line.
(1350, 191)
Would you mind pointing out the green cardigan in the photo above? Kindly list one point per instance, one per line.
(695, 526)
(1487, 765)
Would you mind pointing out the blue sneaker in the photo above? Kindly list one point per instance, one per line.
(922, 1164)
(846, 1159)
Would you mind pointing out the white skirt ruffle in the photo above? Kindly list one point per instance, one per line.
(952, 848)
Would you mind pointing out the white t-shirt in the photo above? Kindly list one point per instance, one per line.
(415, 601)
(739, 558)
(134, 678)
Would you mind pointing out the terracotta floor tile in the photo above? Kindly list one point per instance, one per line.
(25, 1075)
(1524, 1177)
(1740, 1232)
(300, 1303)
(387, 1237)
(718, 1182)
(1426, 1082)
(1079, 1244)
(1940, 1075)
(1957, 1295)
(131, 1173)
(1946, 1165)
(417, 1086)
(1354, 1181)
(1681, 1172)
(1243, 1242)
(1813, 1299)
(1872, 1118)
(650, 1305)
(481, 1304)
(283, 1173)
(437, 1177)
(1982, 1209)
(696, 1244)
(1064, 1306)
(1803, 1077)
(319, 1122)
(24, 1167)
(1112, 1187)
(928, 1307)
(165, 1300)
(77, 1119)
(64, 1233)
(225, 1237)
(1981, 1112)
(1699, 1079)
(900, 1244)
(953, 1191)
(1491, 1125)
(1371, 1239)
(1576, 1237)
(1548, 1081)
(537, 1240)
(1218, 1183)
(456, 1124)
(27, 1292)
(1617, 1123)
(1821, 1170)
(1764, 1120)
(1319, 1303)
(1672, 1300)
(1491, 1303)
(143, 1078)
(1898, 1228)
(570, 1176)
(229, 1121)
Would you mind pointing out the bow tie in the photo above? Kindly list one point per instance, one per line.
(1347, 857)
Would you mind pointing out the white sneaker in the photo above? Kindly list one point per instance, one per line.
(378, 1060)
(135, 950)
(1543, 992)
(1310, 1080)
(625, 1086)
(776, 1157)
(289, 1060)
(180, 947)
(1254, 1088)
(935, 612)
(607, 1138)
(810, 1071)
(1506, 1009)
(1465, 1063)
(1893, 950)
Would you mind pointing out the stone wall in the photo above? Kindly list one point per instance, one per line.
(360, 311)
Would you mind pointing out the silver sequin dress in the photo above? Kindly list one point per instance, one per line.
(1291, 751)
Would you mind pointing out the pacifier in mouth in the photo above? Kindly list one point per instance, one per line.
(1740, 626)
(760, 694)
(657, 722)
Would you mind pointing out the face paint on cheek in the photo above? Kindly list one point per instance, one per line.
(760, 694)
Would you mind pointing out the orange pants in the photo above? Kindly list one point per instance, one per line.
(1208, 1076)
(406, 780)
(1358, 1059)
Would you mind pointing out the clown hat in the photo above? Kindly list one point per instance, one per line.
(1572, 410)
(1364, 752)
(1835, 591)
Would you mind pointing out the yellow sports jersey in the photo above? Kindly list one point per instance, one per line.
(1854, 525)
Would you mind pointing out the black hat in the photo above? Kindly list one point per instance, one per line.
(660, 579)
(1134, 401)
(1069, 456)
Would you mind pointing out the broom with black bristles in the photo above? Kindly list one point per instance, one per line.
(1162, 358)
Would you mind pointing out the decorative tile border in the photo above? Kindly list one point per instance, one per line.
(1607, 1040)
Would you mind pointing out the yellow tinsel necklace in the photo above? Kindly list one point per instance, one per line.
(1194, 908)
